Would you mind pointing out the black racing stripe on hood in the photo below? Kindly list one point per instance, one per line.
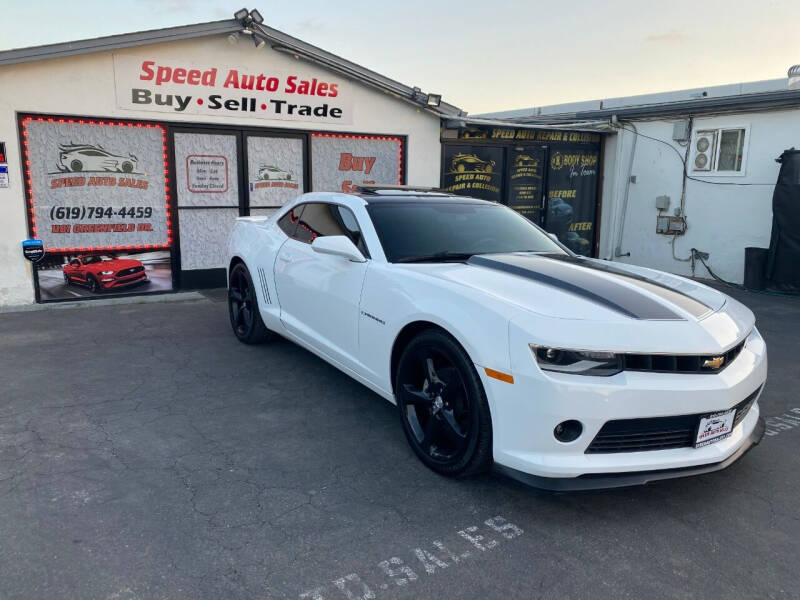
(580, 282)
(693, 306)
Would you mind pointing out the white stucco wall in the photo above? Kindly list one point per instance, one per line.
(84, 86)
(722, 219)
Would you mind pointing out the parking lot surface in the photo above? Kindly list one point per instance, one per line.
(145, 453)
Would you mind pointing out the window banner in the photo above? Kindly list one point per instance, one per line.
(572, 196)
(525, 175)
(475, 171)
(274, 170)
(96, 185)
(76, 275)
(339, 162)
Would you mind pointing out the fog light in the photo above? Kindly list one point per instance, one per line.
(568, 431)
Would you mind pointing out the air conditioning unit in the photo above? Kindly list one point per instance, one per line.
(705, 145)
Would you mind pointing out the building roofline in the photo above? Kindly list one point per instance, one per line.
(756, 95)
(116, 42)
(758, 101)
(277, 39)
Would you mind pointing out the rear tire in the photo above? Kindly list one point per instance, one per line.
(443, 406)
(243, 308)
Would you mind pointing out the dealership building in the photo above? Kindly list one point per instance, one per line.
(145, 147)
(130, 157)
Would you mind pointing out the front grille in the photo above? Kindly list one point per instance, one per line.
(131, 271)
(657, 433)
(678, 363)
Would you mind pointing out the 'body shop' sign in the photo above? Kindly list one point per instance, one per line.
(146, 83)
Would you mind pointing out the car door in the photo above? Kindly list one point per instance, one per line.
(73, 270)
(82, 269)
(319, 294)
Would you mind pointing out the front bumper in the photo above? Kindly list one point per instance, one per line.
(596, 481)
(524, 415)
(115, 282)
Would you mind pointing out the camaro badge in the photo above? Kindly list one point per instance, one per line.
(714, 363)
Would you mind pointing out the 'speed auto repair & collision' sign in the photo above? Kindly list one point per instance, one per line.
(144, 83)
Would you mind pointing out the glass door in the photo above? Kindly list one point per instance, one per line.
(207, 185)
(525, 181)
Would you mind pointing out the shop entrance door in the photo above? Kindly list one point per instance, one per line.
(207, 184)
(526, 181)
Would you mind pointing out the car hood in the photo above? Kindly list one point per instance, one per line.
(116, 264)
(640, 303)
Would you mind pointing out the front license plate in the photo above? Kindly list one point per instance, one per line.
(714, 427)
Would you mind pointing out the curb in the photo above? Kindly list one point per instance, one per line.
(156, 298)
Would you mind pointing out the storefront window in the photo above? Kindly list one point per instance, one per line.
(571, 203)
(475, 171)
(340, 162)
(97, 193)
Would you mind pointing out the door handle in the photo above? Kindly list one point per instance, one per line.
(284, 258)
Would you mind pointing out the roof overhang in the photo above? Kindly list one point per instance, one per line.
(279, 41)
(594, 126)
(774, 100)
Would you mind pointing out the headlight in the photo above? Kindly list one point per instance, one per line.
(106, 272)
(577, 362)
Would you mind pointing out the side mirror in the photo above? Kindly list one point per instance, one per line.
(338, 245)
(553, 237)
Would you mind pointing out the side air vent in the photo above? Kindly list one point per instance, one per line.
(264, 287)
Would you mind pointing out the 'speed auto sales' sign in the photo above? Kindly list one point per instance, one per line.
(147, 83)
(96, 185)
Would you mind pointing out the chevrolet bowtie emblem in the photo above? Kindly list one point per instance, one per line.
(714, 363)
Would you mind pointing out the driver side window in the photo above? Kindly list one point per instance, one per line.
(319, 219)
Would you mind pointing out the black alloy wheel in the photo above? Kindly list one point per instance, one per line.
(243, 308)
(443, 406)
(67, 280)
(76, 165)
(127, 167)
(94, 287)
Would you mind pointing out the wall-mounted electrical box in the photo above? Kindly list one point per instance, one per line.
(680, 131)
(670, 225)
(662, 202)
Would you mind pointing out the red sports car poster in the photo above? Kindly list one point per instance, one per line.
(103, 273)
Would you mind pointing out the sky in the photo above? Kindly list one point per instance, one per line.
(482, 55)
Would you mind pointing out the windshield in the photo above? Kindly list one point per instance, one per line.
(88, 260)
(417, 231)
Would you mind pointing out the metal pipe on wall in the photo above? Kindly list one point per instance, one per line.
(618, 246)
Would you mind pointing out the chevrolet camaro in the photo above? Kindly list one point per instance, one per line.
(499, 346)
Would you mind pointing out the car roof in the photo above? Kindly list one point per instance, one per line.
(420, 197)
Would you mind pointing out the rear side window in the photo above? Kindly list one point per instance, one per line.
(288, 222)
(320, 219)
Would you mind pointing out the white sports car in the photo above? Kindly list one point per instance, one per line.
(498, 345)
(271, 172)
(86, 157)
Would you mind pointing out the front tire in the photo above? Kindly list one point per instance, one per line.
(94, 287)
(243, 308)
(443, 406)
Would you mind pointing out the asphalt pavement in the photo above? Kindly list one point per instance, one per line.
(145, 453)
